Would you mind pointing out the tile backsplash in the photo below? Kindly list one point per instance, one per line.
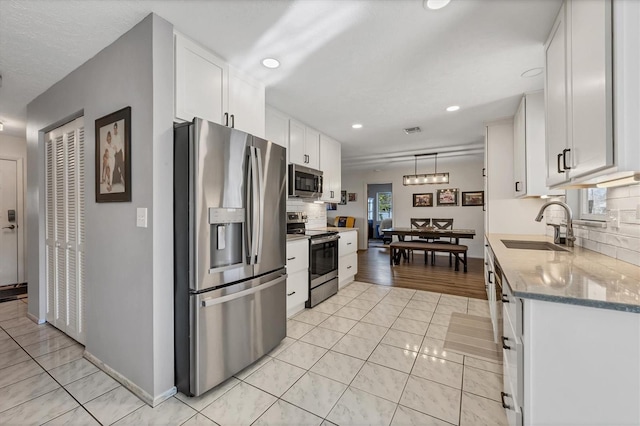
(316, 213)
(619, 238)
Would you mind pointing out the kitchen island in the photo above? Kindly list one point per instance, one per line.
(570, 335)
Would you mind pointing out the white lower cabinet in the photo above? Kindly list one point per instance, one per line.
(298, 279)
(569, 364)
(347, 257)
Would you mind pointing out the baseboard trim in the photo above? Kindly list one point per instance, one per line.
(35, 318)
(135, 389)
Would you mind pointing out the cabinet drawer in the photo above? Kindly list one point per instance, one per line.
(297, 288)
(347, 266)
(297, 256)
(348, 243)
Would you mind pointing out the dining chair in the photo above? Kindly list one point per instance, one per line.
(417, 223)
(442, 224)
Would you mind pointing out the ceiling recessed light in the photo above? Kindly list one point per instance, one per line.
(271, 63)
(453, 108)
(533, 72)
(1, 126)
(356, 126)
(435, 4)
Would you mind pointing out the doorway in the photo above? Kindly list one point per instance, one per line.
(9, 240)
(379, 208)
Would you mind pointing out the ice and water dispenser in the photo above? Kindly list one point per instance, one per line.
(226, 235)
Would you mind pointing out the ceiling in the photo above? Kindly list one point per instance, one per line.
(388, 64)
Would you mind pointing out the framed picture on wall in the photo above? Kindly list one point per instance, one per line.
(475, 198)
(113, 157)
(423, 200)
(447, 197)
(332, 206)
(343, 198)
(353, 197)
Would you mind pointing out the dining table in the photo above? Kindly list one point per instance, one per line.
(455, 234)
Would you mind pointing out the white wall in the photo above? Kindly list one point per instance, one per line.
(465, 174)
(129, 270)
(15, 148)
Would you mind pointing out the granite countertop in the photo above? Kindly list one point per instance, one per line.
(577, 276)
(294, 237)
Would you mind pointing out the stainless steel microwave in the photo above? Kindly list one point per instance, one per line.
(304, 182)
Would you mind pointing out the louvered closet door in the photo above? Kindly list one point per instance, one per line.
(65, 184)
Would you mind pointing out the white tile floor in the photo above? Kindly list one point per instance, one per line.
(369, 355)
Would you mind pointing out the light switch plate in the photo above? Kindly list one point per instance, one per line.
(141, 217)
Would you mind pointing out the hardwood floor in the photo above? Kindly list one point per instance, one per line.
(373, 267)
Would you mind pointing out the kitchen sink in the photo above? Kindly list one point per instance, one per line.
(532, 245)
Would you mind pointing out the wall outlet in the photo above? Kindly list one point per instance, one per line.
(141, 217)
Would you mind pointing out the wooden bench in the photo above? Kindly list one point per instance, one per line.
(397, 248)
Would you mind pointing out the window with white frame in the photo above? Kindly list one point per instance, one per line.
(593, 204)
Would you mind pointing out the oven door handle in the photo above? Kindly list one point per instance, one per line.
(315, 241)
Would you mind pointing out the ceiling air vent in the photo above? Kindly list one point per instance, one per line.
(411, 130)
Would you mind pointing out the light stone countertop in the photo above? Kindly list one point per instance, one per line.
(578, 276)
(337, 229)
(294, 237)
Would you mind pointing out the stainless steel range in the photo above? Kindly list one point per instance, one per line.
(323, 258)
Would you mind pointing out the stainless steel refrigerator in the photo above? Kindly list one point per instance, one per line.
(229, 245)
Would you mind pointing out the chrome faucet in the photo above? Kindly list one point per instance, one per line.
(556, 228)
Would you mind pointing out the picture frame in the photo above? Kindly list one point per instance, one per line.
(447, 197)
(473, 198)
(113, 157)
(423, 200)
(343, 198)
(353, 197)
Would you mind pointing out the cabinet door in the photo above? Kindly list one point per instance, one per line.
(312, 147)
(556, 100)
(276, 127)
(519, 151)
(246, 104)
(330, 158)
(591, 86)
(201, 82)
(296, 150)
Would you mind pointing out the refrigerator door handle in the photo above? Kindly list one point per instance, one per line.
(217, 300)
(255, 198)
(261, 191)
(248, 214)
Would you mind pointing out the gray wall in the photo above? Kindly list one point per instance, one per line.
(129, 272)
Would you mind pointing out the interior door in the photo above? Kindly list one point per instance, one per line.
(8, 225)
(65, 229)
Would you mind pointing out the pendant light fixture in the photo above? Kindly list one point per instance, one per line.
(427, 178)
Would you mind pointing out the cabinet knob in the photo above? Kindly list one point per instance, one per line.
(517, 189)
(226, 119)
(349, 267)
(505, 299)
(233, 121)
(489, 273)
(558, 164)
(290, 258)
(564, 158)
(503, 395)
(291, 294)
(504, 343)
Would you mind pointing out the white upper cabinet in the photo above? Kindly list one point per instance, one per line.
(304, 145)
(206, 87)
(529, 148)
(591, 62)
(246, 103)
(330, 164)
(312, 147)
(276, 127)
(200, 82)
(557, 138)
